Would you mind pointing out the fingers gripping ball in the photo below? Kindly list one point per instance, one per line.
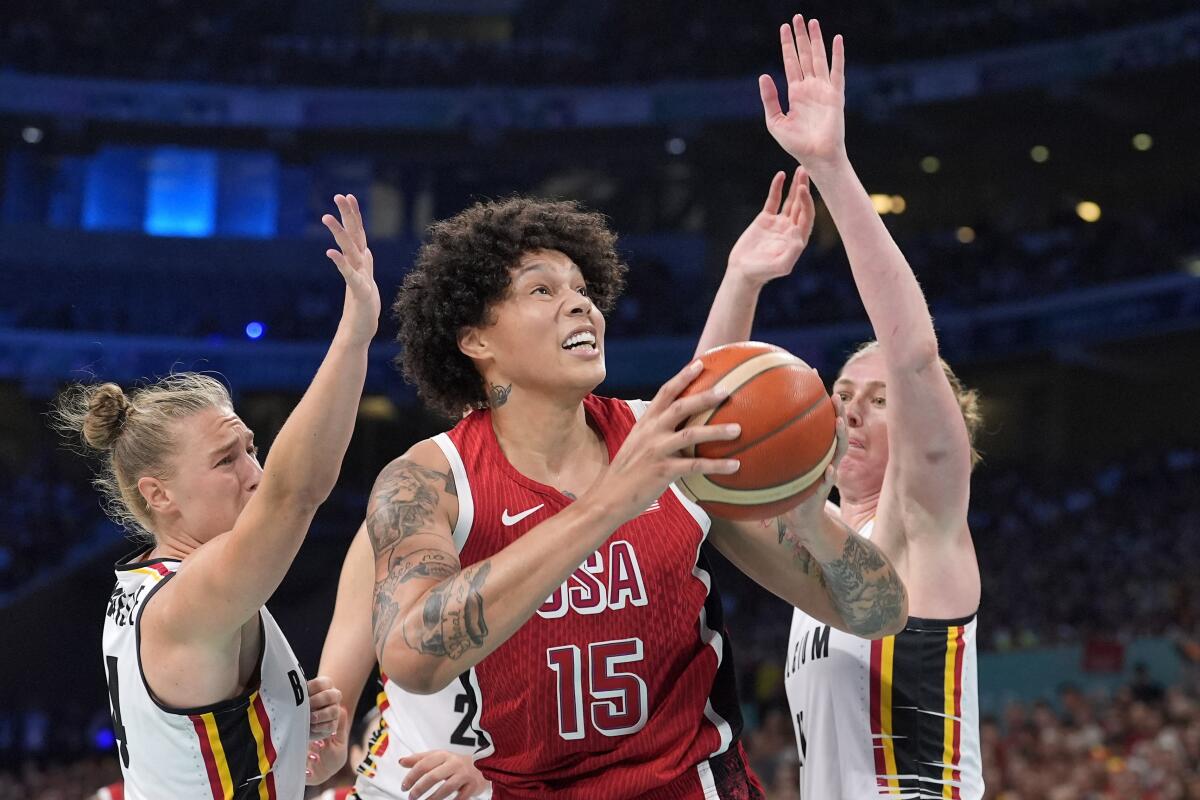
(788, 431)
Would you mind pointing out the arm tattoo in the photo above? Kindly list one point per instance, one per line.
(498, 395)
(863, 586)
(403, 502)
(402, 505)
(452, 621)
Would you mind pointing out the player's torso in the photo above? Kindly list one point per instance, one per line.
(412, 723)
(630, 644)
(894, 717)
(253, 746)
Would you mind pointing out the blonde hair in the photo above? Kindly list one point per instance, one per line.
(968, 399)
(133, 435)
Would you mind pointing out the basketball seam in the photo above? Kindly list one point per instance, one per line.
(782, 427)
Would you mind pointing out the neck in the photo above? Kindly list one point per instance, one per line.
(170, 542)
(541, 435)
(857, 506)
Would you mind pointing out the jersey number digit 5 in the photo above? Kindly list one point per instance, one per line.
(619, 702)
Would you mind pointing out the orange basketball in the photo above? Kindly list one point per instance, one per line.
(788, 436)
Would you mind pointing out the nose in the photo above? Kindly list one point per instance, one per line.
(581, 306)
(853, 414)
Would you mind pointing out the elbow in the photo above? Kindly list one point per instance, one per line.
(417, 675)
(918, 354)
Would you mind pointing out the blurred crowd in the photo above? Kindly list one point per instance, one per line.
(368, 44)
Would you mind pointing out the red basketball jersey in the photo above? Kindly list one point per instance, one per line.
(622, 683)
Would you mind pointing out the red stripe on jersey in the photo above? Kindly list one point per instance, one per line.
(876, 721)
(958, 668)
(265, 721)
(210, 761)
(161, 569)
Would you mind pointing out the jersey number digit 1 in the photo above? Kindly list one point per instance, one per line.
(114, 696)
(619, 704)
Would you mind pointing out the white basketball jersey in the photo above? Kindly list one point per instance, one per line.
(416, 723)
(896, 717)
(252, 746)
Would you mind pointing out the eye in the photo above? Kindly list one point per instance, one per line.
(845, 396)
(253, 451)
(541, 290)
(879, 401)
(226, 460)
(583, 290)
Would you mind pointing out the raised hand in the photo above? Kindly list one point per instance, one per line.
(770, 247)
(360, 312)
(813, 131)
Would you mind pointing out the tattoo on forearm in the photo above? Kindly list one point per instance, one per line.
(862, 584)
(452, 621)
(864, 587)
(498, 395)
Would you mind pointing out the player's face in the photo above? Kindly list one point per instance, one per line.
(216, 472)
(862, 386)
(546, 334)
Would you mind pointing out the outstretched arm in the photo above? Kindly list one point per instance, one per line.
(232, 576)
(929, 447)
(766, 250)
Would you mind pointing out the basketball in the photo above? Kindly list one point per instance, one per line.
(788, 431)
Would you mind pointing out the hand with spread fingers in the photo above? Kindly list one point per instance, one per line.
(813, 130)
(770, 247)
(360, 313)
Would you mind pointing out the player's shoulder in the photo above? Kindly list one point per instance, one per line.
(615, 406)
(422, 458)
(423, 468)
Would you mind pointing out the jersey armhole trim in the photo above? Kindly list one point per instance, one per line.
(462, 487)
(216, 708)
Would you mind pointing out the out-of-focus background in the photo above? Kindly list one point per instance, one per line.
(162, 174)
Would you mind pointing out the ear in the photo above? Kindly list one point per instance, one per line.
(155, 494)
(474, 344)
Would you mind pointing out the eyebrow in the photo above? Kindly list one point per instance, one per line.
(231, 444)
(540, 266)
(868, 384)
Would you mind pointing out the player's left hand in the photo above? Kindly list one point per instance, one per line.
(324, 701)
(770, 247)
(327, 756)
(456, 772)
(805, 518)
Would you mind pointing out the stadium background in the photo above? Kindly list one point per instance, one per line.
(162, 174)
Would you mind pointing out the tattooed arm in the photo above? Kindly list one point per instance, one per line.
(835, 575)
(431, 618)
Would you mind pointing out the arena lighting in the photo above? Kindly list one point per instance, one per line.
(898, 204)
(104, 739)
(1088, 211)
(255, 330)
(676, 146)
(965, 234)
(31, 135)
(882, 203)
(1039, 153)
(1143, 142)
(930, 164)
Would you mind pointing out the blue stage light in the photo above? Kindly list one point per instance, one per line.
(104, 739)
(255, 330)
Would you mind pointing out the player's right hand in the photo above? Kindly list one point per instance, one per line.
(360, 312)
(455, 772)
(651, 458)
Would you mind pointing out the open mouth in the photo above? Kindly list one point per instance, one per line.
(582, 342)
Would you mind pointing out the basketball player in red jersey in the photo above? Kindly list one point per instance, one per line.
(439, 724)
(898, 716)
(544, 531)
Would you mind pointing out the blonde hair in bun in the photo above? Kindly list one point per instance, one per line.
(134, 434)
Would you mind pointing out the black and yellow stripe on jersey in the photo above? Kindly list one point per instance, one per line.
(238, 753)
(916, 708)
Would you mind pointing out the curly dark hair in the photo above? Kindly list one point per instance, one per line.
(463, 270)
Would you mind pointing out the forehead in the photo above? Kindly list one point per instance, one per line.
(864, 369)
(533, 262)
(213, 427)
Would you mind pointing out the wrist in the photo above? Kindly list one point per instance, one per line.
(829, 168)
(741, 280)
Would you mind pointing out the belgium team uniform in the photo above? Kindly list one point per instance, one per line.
(252, 746)
(416, 723)
(896, 717)
(621, 684)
